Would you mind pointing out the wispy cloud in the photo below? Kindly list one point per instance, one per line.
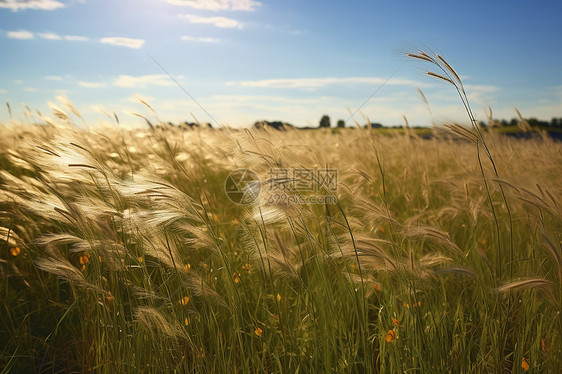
(75, 38)
(246, 5)
(199, 39)
(313, 83)
(221, 22)
(20, 34)
(29, 89)
(50, 36)
(143, 80)
(3, 91)
(123, 42)
(24, 34)
(91, 84)
(16, 5)
(53, 78)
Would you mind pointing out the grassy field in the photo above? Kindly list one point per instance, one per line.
(364, 251)
(121, 252)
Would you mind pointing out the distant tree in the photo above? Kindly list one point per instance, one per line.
(341, 123)
(325, 121)
(533, 122)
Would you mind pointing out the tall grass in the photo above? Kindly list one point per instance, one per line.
(121, 252)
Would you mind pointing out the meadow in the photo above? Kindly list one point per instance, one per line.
(121, 251)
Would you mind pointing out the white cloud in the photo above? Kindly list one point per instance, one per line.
(91, 84)
(138, 97)
(75, 38)
(481, 94)
(143, 80)
(312, 83)
(16, 5)
(50, 36)
(123, 42)
(221, 22)
(3, 91)
(20, 34)
(53, 78)
(29, 89)
(199, 39)
(247, 5)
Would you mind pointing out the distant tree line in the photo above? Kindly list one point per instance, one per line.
(325, 122)
(533, 122)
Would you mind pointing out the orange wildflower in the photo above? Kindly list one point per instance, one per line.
(15, 251)
(525, 364)
(396, 322)
(390, 336)
(258, 331)
(184, 300)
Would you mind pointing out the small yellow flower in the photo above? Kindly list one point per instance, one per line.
(278, 297)
(215, 218)
(390, 336)
(15, 251)
(236, 278)
(99, 258)
(140, 259)
(247, 268)
(525, 364)
(184, 300)
(258, 331)
(396, 322)
(186, 321)
(187, 267)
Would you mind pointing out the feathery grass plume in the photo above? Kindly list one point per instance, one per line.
(63, 269)
(522, 123)
(370, 251)
(452, 77)
(491, 121)
(463, 132)
(156, 324)
(435, 234)
(555, 253)
(68, 104)
(540, 284)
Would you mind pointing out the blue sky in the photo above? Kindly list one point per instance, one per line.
(248, 60)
